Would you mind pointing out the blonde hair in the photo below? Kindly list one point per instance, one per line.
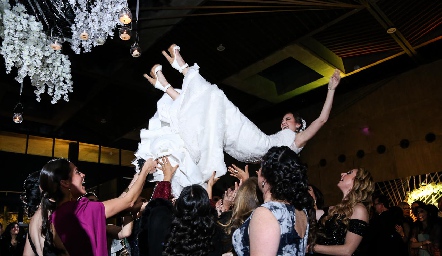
(363, 187)
(247, 199)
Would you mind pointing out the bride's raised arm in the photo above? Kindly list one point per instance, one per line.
(303, 137)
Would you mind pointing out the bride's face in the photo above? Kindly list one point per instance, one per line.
(289, 122)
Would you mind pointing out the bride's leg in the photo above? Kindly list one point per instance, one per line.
(175, 59)
(158, 80)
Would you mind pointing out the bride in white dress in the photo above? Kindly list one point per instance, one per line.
(194, 125)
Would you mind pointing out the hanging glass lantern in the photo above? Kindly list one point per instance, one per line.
(18, 114)
(56, 43)
(135, 50)
(125, 15)
(125, 33)
(84, 35)
(101, 39)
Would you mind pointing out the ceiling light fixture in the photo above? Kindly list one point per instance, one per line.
(125, 16)
(18, 109)
(125, 32)
(391, 30)
(135, 49)
(220, 47)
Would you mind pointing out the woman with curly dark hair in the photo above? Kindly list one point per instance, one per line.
(193, 225)
(342, 229)
(282, 225)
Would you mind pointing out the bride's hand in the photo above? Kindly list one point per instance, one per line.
(334, 80)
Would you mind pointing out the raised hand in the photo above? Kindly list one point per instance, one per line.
(334, 80)
(239, 173)
(167, 168)
(150, 165)
(212, 180)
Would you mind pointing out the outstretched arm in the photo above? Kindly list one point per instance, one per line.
(119, 204)
(303, 137)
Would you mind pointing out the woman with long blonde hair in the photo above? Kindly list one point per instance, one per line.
(342, 229)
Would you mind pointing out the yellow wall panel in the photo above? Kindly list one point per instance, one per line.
(12, 142)
(127, 157)
(61, 148)
(110, 156)
(40, 146)
(88, 152)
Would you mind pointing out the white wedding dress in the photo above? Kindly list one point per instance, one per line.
(197, 127)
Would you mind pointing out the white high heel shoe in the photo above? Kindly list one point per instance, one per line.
(157, 84)
(175, 64)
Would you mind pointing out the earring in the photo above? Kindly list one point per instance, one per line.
(70, 195)
(262, 185)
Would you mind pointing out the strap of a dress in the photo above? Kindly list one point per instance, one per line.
(32, 244)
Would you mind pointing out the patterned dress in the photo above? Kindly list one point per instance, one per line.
(290, 243)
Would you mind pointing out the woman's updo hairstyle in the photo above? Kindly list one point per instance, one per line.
(287, 177)
(31, 196)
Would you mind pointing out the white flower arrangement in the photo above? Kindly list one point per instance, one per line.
(98, 23)
(25, 46)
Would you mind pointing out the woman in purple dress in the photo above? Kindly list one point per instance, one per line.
(80, 224)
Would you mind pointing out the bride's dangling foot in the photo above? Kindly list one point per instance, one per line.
(157, 78)
(175, 59)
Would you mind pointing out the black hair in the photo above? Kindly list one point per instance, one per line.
(51, 175)
(419, 204)
(432, 227)
(6, 236)
(31, 196)
(382, 199)
(287, 177)
(319, 197)
(155, 226)
(193, 225)
(298, 120)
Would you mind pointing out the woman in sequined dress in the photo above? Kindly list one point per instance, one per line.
(342, 228)
(197, 124)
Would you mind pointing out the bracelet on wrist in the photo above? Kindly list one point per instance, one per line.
(330, 89)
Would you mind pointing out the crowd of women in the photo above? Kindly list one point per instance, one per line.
(275, 213)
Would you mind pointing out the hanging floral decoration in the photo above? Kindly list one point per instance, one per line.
(29, 30)
(25, 46)
(97, 19)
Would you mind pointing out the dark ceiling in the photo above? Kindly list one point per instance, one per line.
(278, 55)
